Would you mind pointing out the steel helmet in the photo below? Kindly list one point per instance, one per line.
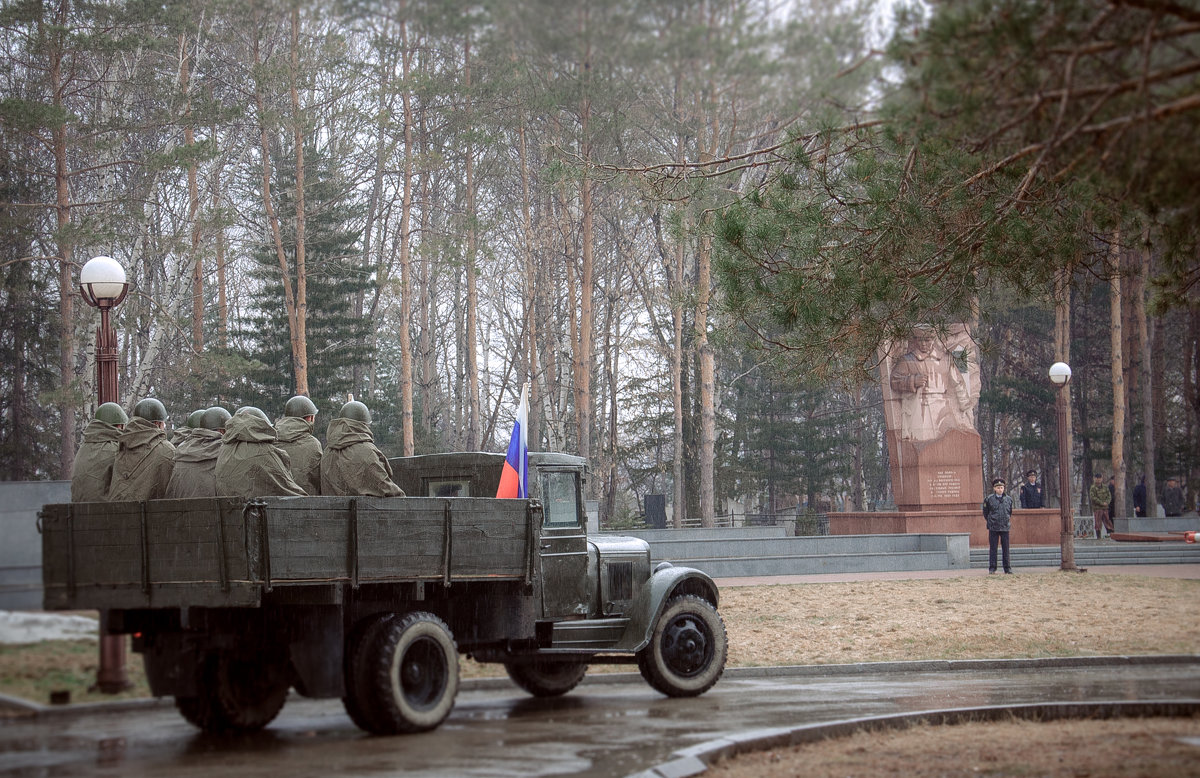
(251, 411)
(150, 409)
(111, 413)
(194, 418)
(299, 406)
(355, 410)
(215, 418)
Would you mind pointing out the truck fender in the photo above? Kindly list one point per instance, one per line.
(667, 581)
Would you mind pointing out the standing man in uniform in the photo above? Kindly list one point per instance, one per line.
(146, 458)
(1100, 498)
(997, 512)
(351, 464)
(1173, 498)
(92, 472)
(1031, 491)
(294, 436)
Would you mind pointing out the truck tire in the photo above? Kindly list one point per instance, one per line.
(406, 677)
(543, 678)
(354, 655)
(687, 651)
(237, 693)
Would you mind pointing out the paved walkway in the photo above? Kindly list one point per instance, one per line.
(1151, 571)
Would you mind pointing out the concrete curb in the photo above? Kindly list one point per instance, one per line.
(696, 760)
(16, 707)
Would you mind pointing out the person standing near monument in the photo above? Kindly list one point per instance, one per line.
(1031, 492)
(997, 511)
(1100, 498)
(1139, 498)
(1173, 498)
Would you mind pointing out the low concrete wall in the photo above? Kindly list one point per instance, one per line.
(1029, 527)
(1173, 524)
(21, 549)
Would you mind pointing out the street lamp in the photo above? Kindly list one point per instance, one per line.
(102, 284)
(1060, 376)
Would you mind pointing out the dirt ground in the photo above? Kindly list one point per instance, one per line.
(1117, 748)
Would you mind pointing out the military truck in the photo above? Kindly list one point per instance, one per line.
(233, 602)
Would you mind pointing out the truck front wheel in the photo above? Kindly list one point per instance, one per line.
(236, 692)
(407, 677)
(543, 678)
(687, 651)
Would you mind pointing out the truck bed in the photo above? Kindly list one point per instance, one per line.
(229, 552)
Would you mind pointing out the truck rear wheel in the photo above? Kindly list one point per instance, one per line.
(687, 651)
(354, 654)
(406, 675)
(237, 693)
(543, 678)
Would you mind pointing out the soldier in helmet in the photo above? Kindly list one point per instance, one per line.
(178, 436)
(351, 464)
(92, 472)
(146, 458)
(195, 473)
(249, 464)
(294, 436)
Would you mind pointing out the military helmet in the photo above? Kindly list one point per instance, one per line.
(150, 409)
(111, 413)
(215, 418)
(194, 418)
(251, 411)
(355, 410)
(299, 406)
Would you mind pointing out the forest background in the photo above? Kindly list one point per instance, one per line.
(689, 224)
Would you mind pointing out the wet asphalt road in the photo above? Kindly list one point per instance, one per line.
(599, 729)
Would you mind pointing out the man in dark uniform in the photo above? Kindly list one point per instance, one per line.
(1031, 491)
(997, 511)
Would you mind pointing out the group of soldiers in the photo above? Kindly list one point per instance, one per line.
(219, 454)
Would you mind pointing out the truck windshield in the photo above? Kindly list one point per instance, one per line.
(562, 503)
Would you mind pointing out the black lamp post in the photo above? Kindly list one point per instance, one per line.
(1060, 376)
(102, 284)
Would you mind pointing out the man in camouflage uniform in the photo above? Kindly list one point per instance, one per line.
(249, 463)
(351, 464)
(195, 473)
(294, 436)
(92, 472)
(146, 458)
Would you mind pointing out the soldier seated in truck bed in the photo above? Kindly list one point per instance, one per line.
(351, 464)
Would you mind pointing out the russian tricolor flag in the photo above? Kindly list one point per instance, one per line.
(514, 480)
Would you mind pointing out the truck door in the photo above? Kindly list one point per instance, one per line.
(564, 545)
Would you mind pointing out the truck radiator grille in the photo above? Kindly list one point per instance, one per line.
(620, 580)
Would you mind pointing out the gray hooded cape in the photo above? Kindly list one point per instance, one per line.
(352, 465)
(195, 473)
(143, 464)
(294, 436)
(249, 464)
(92, 472)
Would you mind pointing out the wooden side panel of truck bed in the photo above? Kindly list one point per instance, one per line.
(228, 552)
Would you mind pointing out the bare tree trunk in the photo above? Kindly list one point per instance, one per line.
(66, 250)
(1147, 375)
(300, 350)
(189, 141)
(528, 300)
(222, 282)
(708, 417)
(474, 412)
(1118, 375)
(583, 353)
(406, 286)
(680, 500)
(1062, 353)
